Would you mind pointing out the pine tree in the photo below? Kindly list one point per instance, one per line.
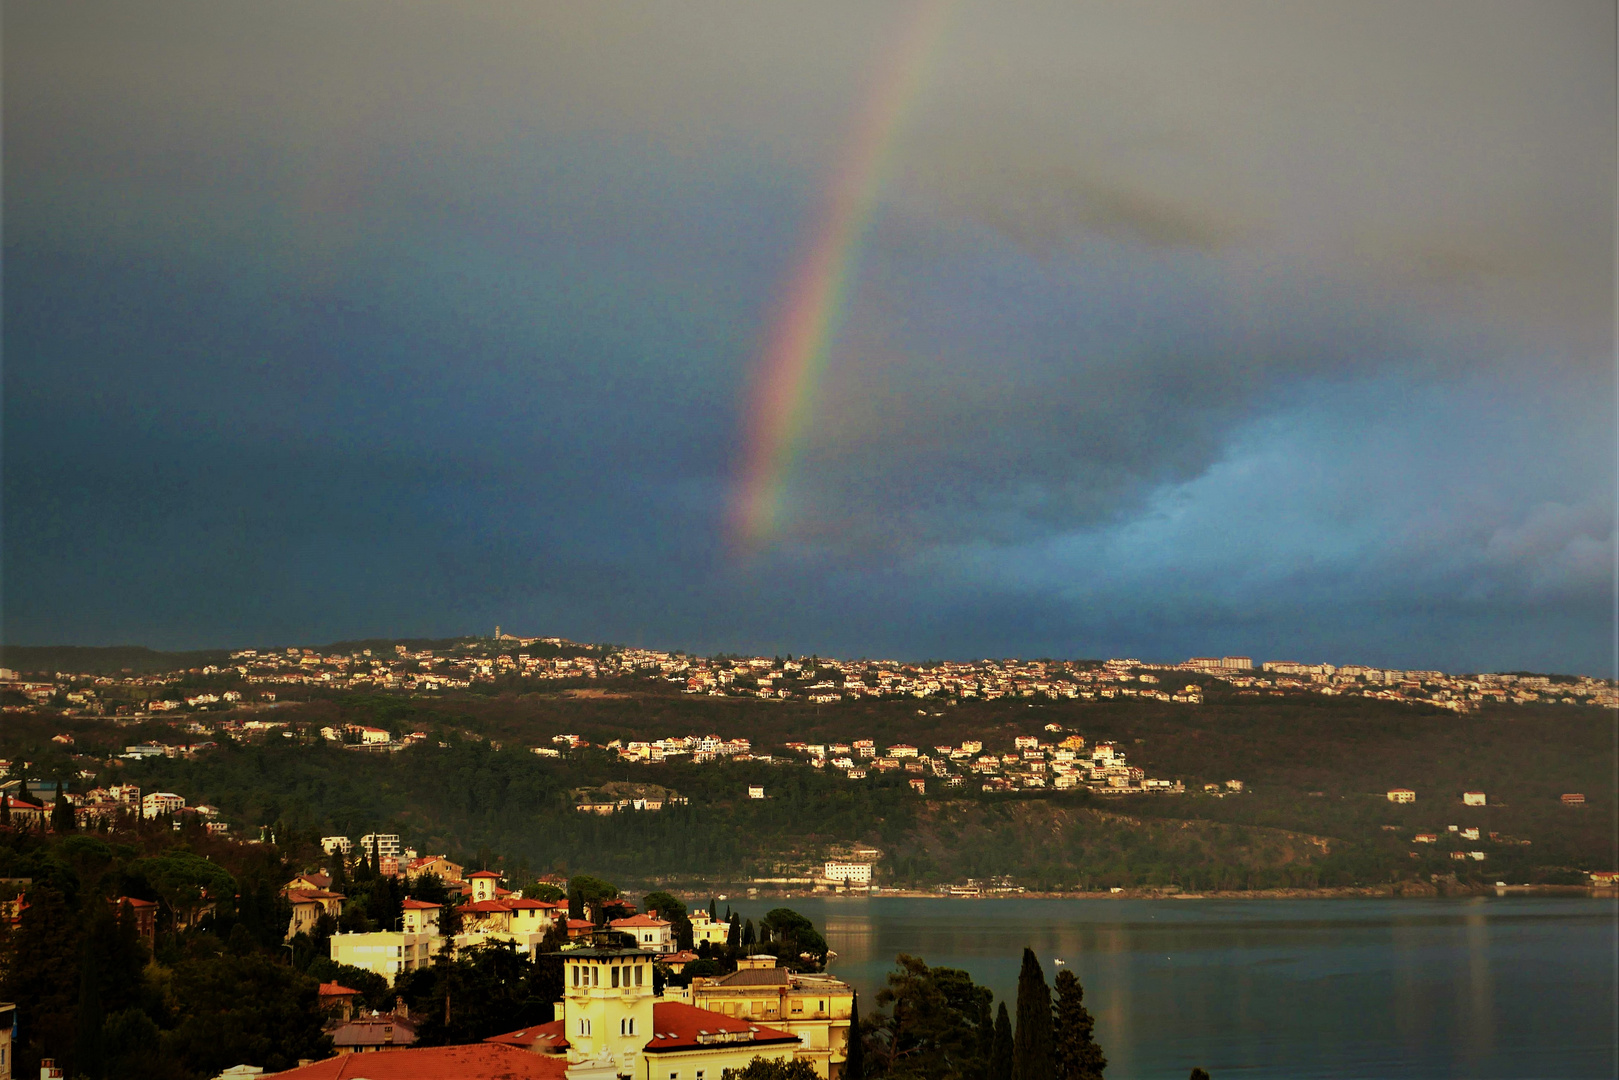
(1031, 1044)
(1078, 1056)
(854, 1062)
(1000, 1047)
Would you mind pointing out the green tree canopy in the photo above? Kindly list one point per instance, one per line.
(1077, 1055)
(795, 939)
(764, 1069)
(937, 1023)
(185, 880)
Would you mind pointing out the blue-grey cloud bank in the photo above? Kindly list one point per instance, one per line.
(1282, 329)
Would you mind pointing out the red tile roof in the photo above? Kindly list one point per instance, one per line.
(478, 1061)
(484, 873)
(541, 1038)
(307, 896)
(412, 904)
(487, 906)
(335, 990)
(637, 920)
(676, 1026)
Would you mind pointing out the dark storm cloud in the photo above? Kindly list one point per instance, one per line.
(323, 321)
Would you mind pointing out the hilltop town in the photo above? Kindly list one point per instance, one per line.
(254, 676)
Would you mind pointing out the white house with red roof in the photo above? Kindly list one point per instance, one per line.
(437, 865)
(651, 933)
(420, 916)
(308, 905)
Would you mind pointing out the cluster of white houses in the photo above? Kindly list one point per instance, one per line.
(250, 674)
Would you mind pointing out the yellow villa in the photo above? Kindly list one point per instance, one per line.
(613, 1026)
(815, 1007)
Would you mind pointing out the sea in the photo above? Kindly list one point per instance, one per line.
(1515, 986)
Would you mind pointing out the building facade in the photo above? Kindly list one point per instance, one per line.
(814, 1007)
(386, 952)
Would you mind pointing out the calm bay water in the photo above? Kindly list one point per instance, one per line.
(1477, 987)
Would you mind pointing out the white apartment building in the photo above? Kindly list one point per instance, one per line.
(851, 872)
(386, 952)
(336, 845)
(387, 844)
(161, 802)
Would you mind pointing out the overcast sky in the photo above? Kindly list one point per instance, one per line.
(1281, 329)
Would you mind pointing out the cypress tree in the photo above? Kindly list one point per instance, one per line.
(749, 936)
(1000, 1047)
(61, 813)
(5, 808)
(1031, 1043)
(576, 904)
(90, 1058)
(1078, 1056)
(854, 1062)
(1198, 1074)
(733, 939)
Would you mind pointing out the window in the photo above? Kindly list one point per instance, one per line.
(576, 974)
(615, 975)
(798, 1006)
(638, 969)
(595, 976)
(626, 1026)
(584, 1026)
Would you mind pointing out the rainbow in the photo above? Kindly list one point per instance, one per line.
(818, 290)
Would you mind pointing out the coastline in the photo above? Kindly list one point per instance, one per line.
(1403, 890)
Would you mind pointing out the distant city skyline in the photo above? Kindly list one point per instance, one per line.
(916, 330)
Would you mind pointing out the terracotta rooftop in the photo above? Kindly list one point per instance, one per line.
(753, 977)
(638, 920)
(335, 990)
(418, 905)
(305, 896)
(676, 1026)
(541, 1038)
(478, 1061)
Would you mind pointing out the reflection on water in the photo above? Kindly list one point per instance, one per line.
(1272, 988)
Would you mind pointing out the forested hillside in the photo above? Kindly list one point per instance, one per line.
(1312, 812)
